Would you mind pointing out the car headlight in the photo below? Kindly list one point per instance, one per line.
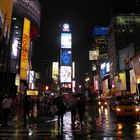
(118, 109)
(105, 103)
(137, 109)
(99, 103)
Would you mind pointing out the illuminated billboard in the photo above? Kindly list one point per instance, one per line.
(66, 40)
(73, 69)
(6, 7)
(66, 27)
(100, 30)
(32, 92)
(124, 55)
(65, 74)
(105, 86)
(65, 57)
(133, 81)
(24, 64)
(120, 81)
(104, 69)
(136, 67)
(93, 55)
(55, 67)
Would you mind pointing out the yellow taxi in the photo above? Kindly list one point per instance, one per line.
(102, 103)
(127, 108)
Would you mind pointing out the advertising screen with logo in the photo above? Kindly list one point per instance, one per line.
(65, 57)
(104, 69)
(65, 74)
(66, 40)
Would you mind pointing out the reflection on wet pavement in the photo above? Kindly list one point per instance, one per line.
(99, 123)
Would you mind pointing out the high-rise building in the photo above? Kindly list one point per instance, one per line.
(123, 41)
(124, 6)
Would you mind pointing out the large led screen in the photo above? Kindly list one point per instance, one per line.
(65, 58)
(65, 74)
(66, 40)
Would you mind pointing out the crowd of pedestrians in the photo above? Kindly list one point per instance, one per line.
(53, 106)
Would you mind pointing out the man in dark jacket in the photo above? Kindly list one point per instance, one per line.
(61, 110)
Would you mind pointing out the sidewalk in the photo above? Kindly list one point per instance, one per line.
(49, 124)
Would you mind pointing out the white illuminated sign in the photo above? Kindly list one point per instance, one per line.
(65, 74)
(66, 40)
(14, 48)
(66, 27)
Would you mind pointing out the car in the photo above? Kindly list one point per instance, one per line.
(102, 103)
(127, 108)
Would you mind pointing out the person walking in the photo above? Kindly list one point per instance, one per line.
(72, 107)
(6, 106)
(26, 108)
(81, 108)
(61, 110)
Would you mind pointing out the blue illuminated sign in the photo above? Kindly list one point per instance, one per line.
(65, 58)
(101, 30)
(104, 69)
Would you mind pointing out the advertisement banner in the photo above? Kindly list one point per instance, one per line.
(25, 50)
(6, 16)
(132, 81)
(65, 74)
(136, 67)
(105, 86)
(93, 55)
(120, 81)
(66, 40)
(65, 57)
(55, 70)
(124, 55)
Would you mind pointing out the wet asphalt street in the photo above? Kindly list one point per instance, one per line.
(99, 124)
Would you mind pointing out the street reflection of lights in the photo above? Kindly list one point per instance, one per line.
(88, 137)
(100, 112)
(106, 112)
(119, 126)
(106, 138)
(30, 132)
(119, 133)
(138, 126)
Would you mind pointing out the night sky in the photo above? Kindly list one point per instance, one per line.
(83, 16)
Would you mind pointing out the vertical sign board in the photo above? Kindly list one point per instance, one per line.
(6, 7)
(25, 50)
